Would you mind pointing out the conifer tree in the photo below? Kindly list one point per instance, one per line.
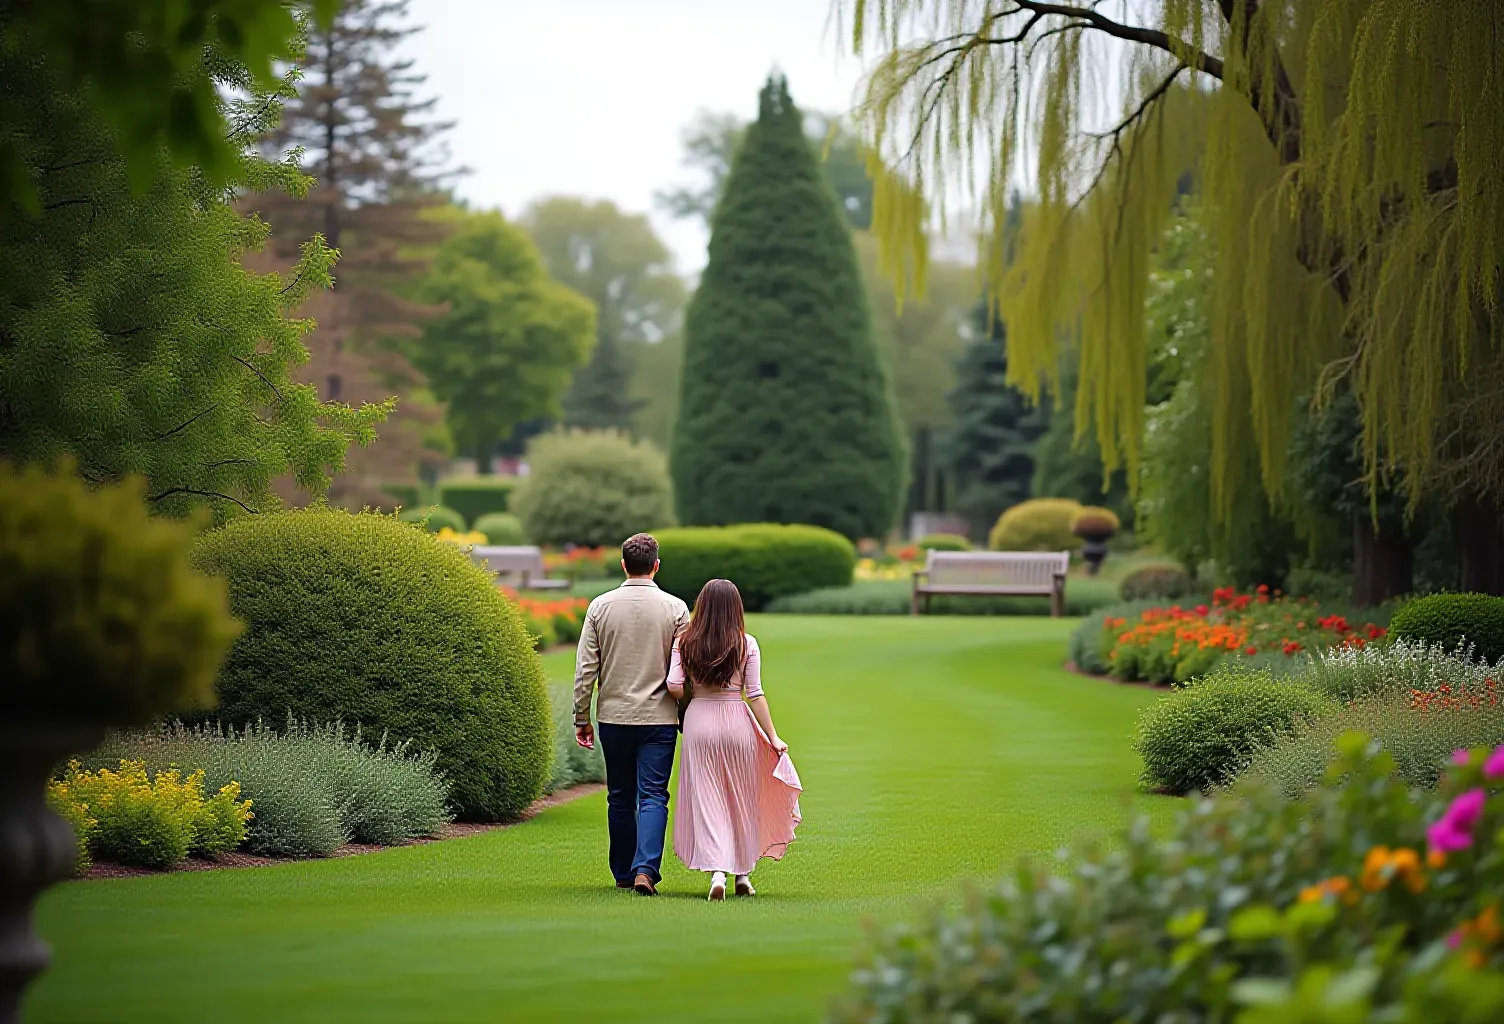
(786, 412)
(134, 339)
(991, 446)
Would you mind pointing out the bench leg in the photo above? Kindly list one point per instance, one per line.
(1057, 598)
(914, 602)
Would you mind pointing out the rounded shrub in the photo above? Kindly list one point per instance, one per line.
(479, 496)
(1155, 582)
(434, 518)
(944, 542)
(363, 619)
(1094, 521)
(102, 618)
(1201, 735)
(594, 489)
(764, 560)
(1039, 524)
(501, 529)
(1451, 620)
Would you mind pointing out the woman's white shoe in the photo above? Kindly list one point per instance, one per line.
(718, 886)
(744, 886)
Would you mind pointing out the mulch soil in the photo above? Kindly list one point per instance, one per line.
(453, 830)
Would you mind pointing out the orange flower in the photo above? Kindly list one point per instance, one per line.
(1382, 865)
(1336, 887)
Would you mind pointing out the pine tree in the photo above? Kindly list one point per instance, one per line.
(991, 446)
(134, 338)
(786, 413)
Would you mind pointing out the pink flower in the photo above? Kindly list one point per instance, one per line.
(1493, 768)
(1455, 829)
(1461, 758)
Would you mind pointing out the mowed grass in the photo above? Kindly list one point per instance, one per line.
(932, 750)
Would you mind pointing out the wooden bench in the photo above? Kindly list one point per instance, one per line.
(990, 573)
(521, 567)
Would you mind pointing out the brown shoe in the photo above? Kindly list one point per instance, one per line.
(644, 885)
(624, 884)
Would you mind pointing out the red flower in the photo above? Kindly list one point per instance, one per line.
(1202, 610)
(1263, 588)
(1250, 650)
(1291, 647)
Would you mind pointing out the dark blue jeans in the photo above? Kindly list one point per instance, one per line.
(639, 759)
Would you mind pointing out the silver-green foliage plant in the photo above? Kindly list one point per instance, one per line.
(573, 764)
(594, 489)
(1350, 673)
(313, 787)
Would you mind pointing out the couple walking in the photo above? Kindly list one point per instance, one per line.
(659, 670)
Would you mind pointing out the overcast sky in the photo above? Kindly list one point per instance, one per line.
(588, 97)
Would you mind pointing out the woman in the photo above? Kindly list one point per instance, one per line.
(738, 798)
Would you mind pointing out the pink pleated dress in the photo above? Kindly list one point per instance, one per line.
(738, 799)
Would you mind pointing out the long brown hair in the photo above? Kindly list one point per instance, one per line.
(714, 644)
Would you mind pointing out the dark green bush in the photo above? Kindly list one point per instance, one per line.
(944, 542)
(1198, 736)
(363, 619)
(592, 489)
(434, 518)
(501, 528)
(1156, 582)
(475, 498)
(764, 560)
(406, 495)
(1453, 619)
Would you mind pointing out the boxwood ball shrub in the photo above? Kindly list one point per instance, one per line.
(477, 497)
(594, 489)
(764, 560)
(434, 518)
(944, 542)
(1156, 582)
(363, 619)
(1199, 736)
(1039, 524)
(1453, 619)
(501, 529)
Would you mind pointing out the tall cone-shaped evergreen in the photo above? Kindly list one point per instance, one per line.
(786, 412)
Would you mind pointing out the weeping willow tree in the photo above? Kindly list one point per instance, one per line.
(1350, 157)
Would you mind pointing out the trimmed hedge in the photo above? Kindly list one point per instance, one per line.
(764, 560)
(1039, 524)
(943, 542)
(1454, 619)
(592, 489)
(479, 496)
(1199, 736)
(1158, 582)
(363, 619)
(501, 529)
(434, 518)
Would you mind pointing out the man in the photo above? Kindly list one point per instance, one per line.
(625, 645)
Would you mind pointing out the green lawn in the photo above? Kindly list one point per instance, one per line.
(932, 750)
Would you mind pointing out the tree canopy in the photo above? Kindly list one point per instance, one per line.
(509, 339)
(1356, 189)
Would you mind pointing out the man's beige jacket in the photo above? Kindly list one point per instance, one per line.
(625, 646)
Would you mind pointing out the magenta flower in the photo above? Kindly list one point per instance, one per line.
(1461, 758)
(1454, 831)
(1493, 768)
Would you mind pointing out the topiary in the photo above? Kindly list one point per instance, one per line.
(944, 542)
(1450, 620)
(102, 618)
(595, 489)
(1155, 582)
(1094, 521)
(786, 409)
(363, 619)
(434, 518)
(1039, 524)
(501, 528)
(1199, 736)
(479, 496)
(764, 560)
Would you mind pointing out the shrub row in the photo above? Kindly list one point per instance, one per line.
(313, 788)
(892, 597)
(1364, 901)
(764, 560)
(477, 497)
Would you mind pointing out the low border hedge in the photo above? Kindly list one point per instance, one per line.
(764, 560)
(475, 498)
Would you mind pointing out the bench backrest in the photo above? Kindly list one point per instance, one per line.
(510, 560)
(997, 568)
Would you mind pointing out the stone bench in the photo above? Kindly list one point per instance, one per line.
(520, 566)
(993, 573)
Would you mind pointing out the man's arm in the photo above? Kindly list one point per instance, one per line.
(587, 665)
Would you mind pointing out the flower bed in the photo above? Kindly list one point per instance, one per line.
(553, 620)
(1174, 644)
(582, 563)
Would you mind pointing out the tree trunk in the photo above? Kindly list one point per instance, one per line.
(1383, 563)
(1480, 545)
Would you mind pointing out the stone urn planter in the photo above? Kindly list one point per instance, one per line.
(37, 848)
(1095, 526)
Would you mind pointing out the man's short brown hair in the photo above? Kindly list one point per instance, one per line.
(639, 553)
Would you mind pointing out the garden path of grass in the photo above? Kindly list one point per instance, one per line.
(932, 750)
